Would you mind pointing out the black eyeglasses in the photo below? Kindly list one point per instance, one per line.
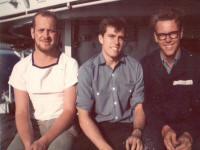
(172, 35)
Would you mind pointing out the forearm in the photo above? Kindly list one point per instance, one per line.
(93, 133)
(63, 122)
(24, 128)
(139, 118)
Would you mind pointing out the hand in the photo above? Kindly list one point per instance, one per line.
(185, 141)
(38, 145)
(169, 136)
(134, 141)
(27, 147)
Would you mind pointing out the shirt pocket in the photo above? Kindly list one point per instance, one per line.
(125, 94)
(103, 100)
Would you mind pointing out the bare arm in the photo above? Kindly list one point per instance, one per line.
(91, 130)
(63, 122)
(22, 117)
(135, 140)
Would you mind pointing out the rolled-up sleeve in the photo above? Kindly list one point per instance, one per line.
(138, 93)
(85, 98)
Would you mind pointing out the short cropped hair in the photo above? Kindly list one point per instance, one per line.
(118, 23)
(45, 13)
(167, 14)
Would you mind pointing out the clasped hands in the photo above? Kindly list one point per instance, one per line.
(134, 141)
(37, 145)
(172, 142)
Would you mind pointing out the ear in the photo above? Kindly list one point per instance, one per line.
(155, 37)
(181, 33)
(100, 38)
(32, 33)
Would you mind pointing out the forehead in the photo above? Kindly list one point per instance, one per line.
(44, 21)
(166, 26)
(112, 29)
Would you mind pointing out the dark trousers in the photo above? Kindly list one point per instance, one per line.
(114, 133)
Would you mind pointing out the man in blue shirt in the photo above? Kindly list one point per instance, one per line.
(110, 93)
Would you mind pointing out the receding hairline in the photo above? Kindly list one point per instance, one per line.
(45, 14)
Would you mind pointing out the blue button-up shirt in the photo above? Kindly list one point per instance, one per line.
(111, 93)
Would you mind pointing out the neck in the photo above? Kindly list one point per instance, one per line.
(110, 61)
(42, 58)
(111, 64)
(170, 59)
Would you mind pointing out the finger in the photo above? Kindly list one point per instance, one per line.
(168, 144)
(139, 145)
(141, 148)
(184, 147)
(133, 146)
(174, 140)
(127, 144)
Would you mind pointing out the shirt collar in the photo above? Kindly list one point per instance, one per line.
(100, 60)
(178, 56)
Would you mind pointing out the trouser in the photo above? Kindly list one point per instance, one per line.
(62, 142)
(197, 144)
(114, 133)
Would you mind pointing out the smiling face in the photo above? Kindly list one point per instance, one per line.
(170, 46)
(44, 33)
(112, 43)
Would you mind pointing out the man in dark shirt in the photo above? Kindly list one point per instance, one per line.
(110, 93)
(171, 77)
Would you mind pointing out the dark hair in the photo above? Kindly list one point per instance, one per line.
(167, 14)
(45, 13)
(117, 23)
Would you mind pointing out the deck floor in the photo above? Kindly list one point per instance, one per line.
(7, 130)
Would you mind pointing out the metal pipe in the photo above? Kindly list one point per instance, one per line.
(60, 9)
(93, 3)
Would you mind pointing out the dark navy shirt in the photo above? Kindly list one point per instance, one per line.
(111, 93)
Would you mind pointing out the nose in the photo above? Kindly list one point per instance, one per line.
(116, 40)
(46, 34)
(168, 39)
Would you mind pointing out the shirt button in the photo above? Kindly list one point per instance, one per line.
(113, 88)
(113, 74)
(97, 93)
(130, 91)
(116, 117)
(115, 102)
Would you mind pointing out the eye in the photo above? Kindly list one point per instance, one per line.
(174, 34)
(121, 38)
(40, 30)
(52, 31)
(111, 36)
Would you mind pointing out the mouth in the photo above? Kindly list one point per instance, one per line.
(115, 48)
(46, 41)
(169, 46)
